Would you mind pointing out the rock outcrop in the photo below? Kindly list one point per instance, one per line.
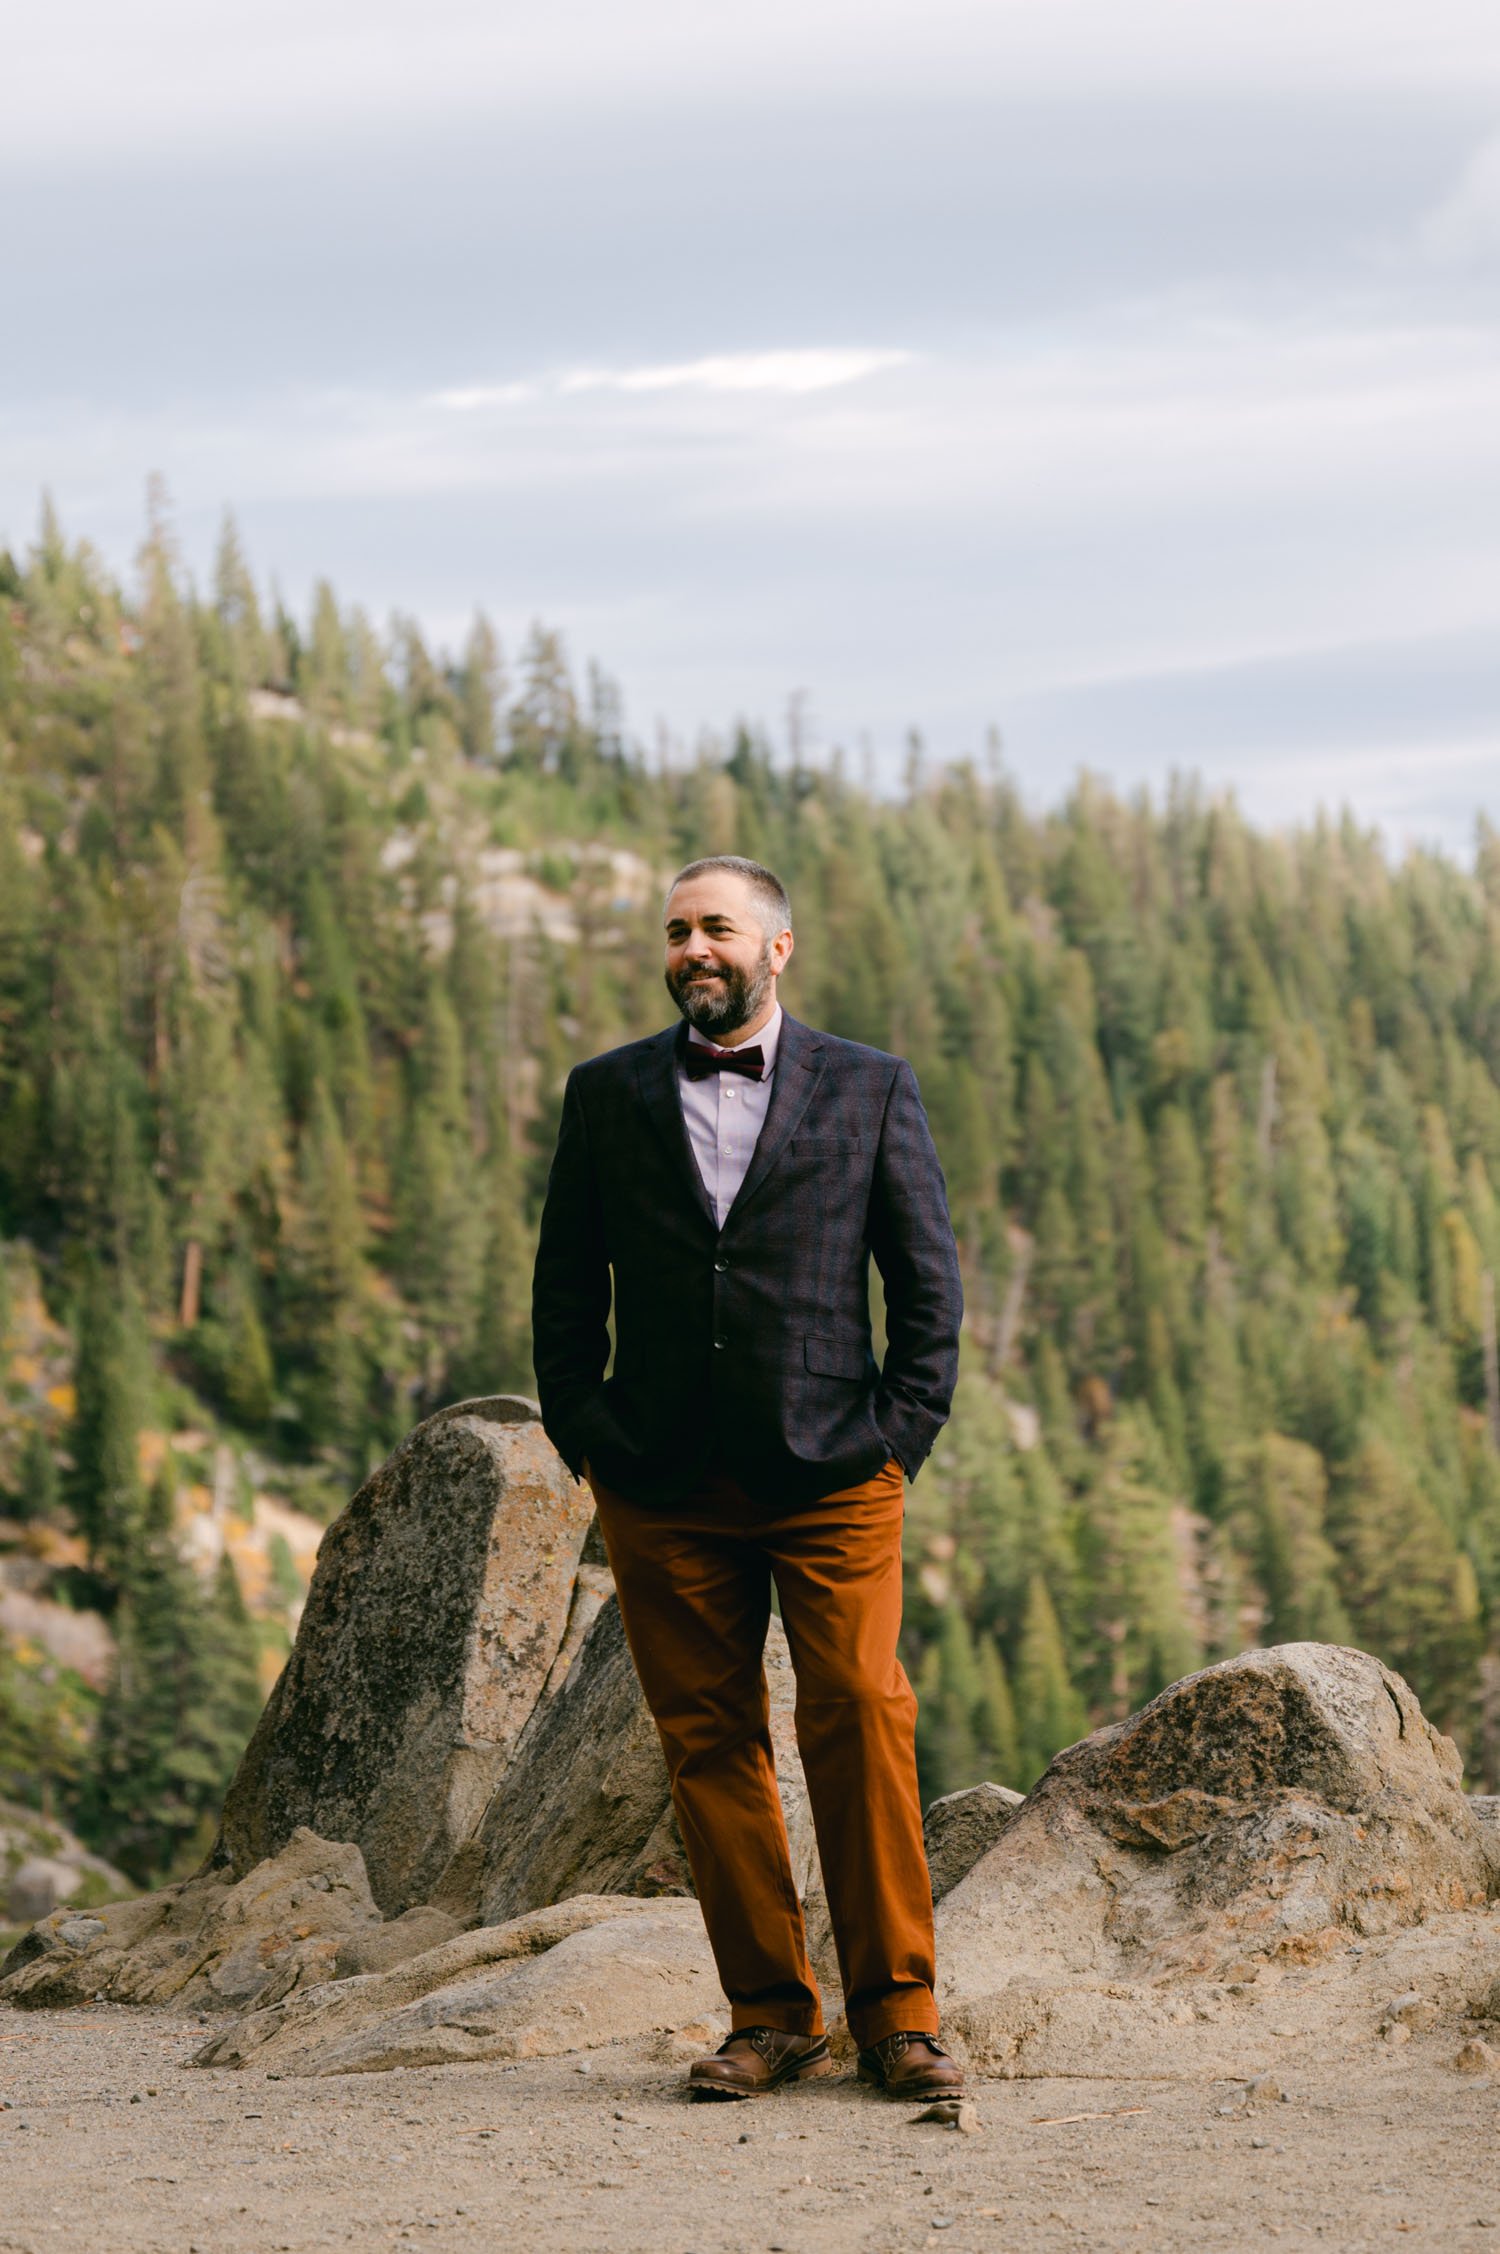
(1267, 1812)
(585, 1972)
(440, 1603)
(214, 1941)
(961, 1827)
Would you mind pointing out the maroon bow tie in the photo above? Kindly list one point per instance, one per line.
(700, 1062)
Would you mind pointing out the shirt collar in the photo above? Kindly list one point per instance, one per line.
(765, 1040)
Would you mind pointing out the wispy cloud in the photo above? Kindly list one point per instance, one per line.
(792, 373)
(817, 369)
(468, 397)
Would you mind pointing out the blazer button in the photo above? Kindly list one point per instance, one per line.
(721, 1342)
(720, 1266)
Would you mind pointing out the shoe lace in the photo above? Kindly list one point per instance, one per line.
(892, 2047)
(761, 2039)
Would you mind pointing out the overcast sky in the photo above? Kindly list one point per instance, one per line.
(1126, 378)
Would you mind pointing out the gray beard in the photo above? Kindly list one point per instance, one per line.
(716, 1010)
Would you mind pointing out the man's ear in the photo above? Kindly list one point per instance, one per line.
(781, 950)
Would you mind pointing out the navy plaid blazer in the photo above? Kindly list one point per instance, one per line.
(751, 1342)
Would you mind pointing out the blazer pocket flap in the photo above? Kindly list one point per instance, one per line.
(836, 1357)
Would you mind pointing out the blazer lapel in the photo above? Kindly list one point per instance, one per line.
(656, 1069)
(799, 1061)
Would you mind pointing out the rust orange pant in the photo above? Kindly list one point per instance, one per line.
(695, 1593)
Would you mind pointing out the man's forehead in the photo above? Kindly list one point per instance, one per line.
(723, 895)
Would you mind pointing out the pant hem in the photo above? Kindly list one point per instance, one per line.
(785, 2022)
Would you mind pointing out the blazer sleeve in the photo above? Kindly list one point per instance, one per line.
(570, 1291)
(911, 1238)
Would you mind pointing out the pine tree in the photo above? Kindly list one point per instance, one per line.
(40, 1487)
(996, 1730)
(497, 1358)
(232, 1695)
(182, 1703)
(1410, 1592)
(238, 610)
(481, 691)
(1049, 1712)
(324, 1283)
(947, 1701)
(105, 1483)
(1277, 1491)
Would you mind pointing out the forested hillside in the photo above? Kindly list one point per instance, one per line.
(302, 924)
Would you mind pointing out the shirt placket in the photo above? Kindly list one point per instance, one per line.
(727, 1149)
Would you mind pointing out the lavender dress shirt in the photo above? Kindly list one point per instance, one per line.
(725, 1113)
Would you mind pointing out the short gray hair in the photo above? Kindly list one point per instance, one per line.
(772, 906)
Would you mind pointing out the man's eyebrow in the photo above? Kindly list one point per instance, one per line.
(680, 923)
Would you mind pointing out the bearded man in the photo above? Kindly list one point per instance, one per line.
(731, 1178)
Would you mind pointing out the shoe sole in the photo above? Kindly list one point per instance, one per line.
(807, 2070)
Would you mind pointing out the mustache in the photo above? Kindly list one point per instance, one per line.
(700, 978)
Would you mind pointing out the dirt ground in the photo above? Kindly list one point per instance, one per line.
(113, 2144)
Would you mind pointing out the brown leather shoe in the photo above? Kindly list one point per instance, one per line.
(757, 2059)
(911, 2065)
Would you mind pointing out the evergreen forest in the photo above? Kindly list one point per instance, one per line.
(302, 924)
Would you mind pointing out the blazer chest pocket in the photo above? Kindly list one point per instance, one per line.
(823, 1146)
(836, 1357)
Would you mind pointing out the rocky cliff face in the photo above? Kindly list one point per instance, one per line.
(451, 1837)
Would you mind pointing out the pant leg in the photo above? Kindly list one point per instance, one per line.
(695, 1597)
(837, 1567)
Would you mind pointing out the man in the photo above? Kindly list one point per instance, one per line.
(734, 1175)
